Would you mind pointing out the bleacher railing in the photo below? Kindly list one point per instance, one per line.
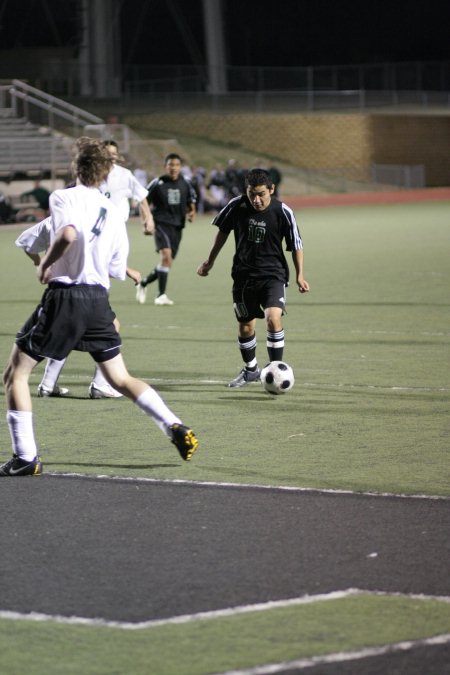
(45, 109)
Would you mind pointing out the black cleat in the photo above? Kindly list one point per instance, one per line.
(185, 440)
(21, 467)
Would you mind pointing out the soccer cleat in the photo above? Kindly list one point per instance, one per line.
(56, 391)
(103, 391)
(185, 440)
(245, 377)
(21, 467)
(163, 300)
(141, 293)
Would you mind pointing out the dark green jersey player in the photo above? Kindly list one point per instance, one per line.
(172, 200)
(260, 224)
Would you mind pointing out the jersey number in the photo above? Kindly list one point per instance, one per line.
(256, 233)
(99, 223)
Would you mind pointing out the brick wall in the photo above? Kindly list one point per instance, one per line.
(414, 139)
(322, 141)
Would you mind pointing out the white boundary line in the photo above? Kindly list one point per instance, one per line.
(340, 657)
(253, 486)
(214, 614)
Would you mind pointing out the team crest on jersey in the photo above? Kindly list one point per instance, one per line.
(257, 223)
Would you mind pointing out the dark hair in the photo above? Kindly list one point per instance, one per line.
(92, 161)
(110, 141)
(172, 155)
(257, 177)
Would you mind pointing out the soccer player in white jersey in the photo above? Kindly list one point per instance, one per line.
(89, 244)
(121, 186)
(260, 272)
(34, 241)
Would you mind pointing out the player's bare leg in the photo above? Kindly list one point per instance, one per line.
(150, 402)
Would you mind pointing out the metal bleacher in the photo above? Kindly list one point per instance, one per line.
(37, 132)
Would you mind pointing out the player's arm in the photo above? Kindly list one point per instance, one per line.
(62, 242)
(147, 217)
(134, 275)
(191, 202)
(297, 258)
(190, 215)
(35, 239)
(206, 266)
(35, 257)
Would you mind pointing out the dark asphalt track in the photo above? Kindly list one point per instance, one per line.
(134, 551)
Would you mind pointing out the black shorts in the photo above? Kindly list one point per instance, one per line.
(168, 236)
(253, 297)
(70, 317)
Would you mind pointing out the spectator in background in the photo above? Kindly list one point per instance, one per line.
(41, 196)
(141, 175)
(6, 210)
(232, 179)
(216, 187)
(198, 183)
(276, 176)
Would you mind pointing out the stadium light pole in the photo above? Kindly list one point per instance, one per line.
(99, 57)
(215, 46)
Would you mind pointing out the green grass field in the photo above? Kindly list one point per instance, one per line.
(369, 412)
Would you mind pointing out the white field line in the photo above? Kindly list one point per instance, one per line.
(247, 486)
(341, 657)
(177, 382)
(214, 614)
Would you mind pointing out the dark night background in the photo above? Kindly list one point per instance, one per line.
(275, 33)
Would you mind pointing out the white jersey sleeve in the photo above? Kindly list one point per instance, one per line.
(36, 238)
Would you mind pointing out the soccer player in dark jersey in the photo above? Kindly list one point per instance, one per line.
(260, 270)
(173, 200)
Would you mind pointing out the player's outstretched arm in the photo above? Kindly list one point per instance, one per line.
(206, 265)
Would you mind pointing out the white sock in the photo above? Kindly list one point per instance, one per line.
(52, 371)
(22, 435)
(151, 403)
(98, 378)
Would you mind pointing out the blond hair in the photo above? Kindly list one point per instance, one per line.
(92, 162)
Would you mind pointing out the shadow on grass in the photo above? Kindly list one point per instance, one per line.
(93, 465)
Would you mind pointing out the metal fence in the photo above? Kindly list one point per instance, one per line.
(265, 88)
(407, 76)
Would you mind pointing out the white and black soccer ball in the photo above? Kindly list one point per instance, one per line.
(277, 377)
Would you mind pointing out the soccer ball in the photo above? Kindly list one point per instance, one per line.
(277, 377)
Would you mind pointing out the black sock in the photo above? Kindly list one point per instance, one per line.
(275, 345)
(248, 351)
(162, 281)
(150, 277)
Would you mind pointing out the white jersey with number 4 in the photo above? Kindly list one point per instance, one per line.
(100, 250)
